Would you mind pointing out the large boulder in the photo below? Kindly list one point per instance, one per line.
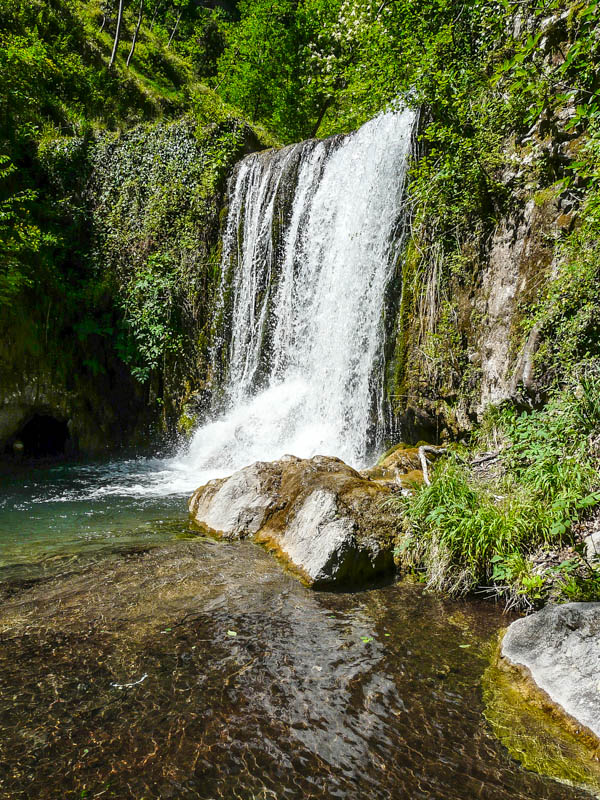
(323, 518)
(560, 647)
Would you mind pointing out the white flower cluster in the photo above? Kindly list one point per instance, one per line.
(340, 34)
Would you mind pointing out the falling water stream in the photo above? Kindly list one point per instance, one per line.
(305, 277)
(311, 242)
(141, 661)
(314, 307)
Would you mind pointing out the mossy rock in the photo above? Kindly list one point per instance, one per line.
(534, 731)
(399, 459)
(186, 424)
(410, 480)
(325, 521)
(393, 449)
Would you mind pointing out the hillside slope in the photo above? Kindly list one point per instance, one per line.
(111, 183)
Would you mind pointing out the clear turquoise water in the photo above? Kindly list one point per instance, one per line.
(61, 510)
(202, 670)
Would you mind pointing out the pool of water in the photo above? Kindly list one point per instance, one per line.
(70, 510)
(147, 666)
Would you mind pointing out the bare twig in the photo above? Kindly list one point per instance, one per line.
(484, 459)
(427, 448)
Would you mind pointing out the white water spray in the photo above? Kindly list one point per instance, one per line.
(303, 284)
(315, 309)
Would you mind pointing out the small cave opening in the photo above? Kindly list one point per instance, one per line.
(44, 437)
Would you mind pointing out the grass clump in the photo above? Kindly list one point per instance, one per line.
(512, 534)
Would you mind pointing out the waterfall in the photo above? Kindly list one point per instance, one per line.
(309, 247)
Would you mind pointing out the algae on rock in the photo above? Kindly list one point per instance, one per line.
(533, 732)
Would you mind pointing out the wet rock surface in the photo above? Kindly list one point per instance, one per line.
(399, 467)
(560, 646)
(325, 519)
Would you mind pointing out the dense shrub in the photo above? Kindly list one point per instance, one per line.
(466, 534)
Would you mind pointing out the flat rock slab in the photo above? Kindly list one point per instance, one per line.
(560, 646)
(321, 516)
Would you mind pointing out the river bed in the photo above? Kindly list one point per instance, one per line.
(137, 662)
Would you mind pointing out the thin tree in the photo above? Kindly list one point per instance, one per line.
(175, 28)
(106, 9)
(157, 8)
(135, 33)
(117, 34)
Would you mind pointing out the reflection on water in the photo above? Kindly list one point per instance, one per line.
(201, 670)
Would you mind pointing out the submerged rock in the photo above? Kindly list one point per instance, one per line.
(326, 520)
(536, 732)
(560, 646)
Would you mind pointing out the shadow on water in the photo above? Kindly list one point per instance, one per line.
(201, 670)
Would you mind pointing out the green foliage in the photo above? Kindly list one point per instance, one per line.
(259, 71)
(541, 83)
(301, 66)
(468, 524)
(19, 239)
(149, 303)
(51, 70)
(119, 251)
(468, 534)
(151, 197)
(510, 96)
(310, 66)
(55, 90)
(206, 41)
(568, 311)
(578, 578)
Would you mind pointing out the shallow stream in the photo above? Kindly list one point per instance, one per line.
(137, 662)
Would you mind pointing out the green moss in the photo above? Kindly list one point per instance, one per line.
(545, 196)
(532, 734)
(186, 424)
(393, 449)
(410, 264)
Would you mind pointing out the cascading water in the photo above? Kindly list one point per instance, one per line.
(306, 286)
(311, 241)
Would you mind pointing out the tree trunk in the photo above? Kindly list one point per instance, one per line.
(135, 33)
(323, 110)
(117, 34)
(106, 12)
(174, 29)
(156, 10)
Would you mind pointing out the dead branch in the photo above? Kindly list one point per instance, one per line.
(427, 448)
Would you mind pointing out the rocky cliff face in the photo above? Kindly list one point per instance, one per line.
(466, 337)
